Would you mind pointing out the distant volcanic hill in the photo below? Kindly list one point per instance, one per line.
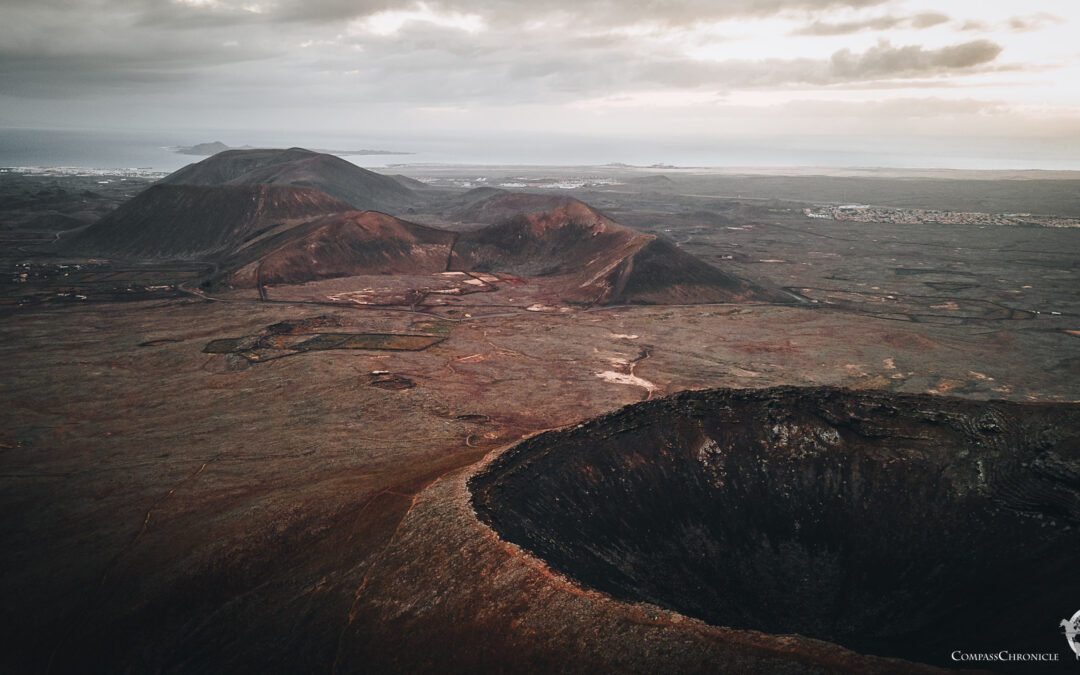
(345, 244)
(199, 221)
(268, 232)
(596, 260)
(576, 252)
(231, 165)
(538, 235)
(658, 182)
(360, 188)
(204, 149)
(468, 206)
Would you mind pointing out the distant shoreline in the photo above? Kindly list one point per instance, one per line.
(447, 169)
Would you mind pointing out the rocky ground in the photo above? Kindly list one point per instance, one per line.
(169, 509)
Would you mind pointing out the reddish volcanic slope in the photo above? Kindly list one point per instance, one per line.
(278, 234)
(345, 244)
(596, 260)
(199, 221)
(361, 188)
(583, 256)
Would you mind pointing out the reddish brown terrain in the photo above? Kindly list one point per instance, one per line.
(343, 245)
(326, 476)
(596, 260)
(568, 253)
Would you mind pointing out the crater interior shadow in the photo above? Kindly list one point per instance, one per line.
(895, 525)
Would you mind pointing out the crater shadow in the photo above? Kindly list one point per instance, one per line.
(896, 525)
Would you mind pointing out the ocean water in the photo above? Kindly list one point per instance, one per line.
(48, 148)
(152, 150)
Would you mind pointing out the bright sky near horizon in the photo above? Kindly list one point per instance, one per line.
(842, 69)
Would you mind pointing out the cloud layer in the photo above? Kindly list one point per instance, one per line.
(268, 62)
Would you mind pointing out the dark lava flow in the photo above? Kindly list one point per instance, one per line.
(895, 525)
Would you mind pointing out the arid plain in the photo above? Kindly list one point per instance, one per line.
(207, 472)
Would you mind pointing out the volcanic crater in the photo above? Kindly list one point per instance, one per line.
(906, 526)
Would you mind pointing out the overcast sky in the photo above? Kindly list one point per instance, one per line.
(988, 71)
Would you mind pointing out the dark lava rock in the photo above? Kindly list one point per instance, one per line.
(895, 525)
(391, 381)
(340, 179)
(197, 221)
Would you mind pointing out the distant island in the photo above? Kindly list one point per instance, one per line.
(207, 149)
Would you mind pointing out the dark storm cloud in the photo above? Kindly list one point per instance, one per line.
(69, 75)
(187, 17)
(326, 11)
(56, 49)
